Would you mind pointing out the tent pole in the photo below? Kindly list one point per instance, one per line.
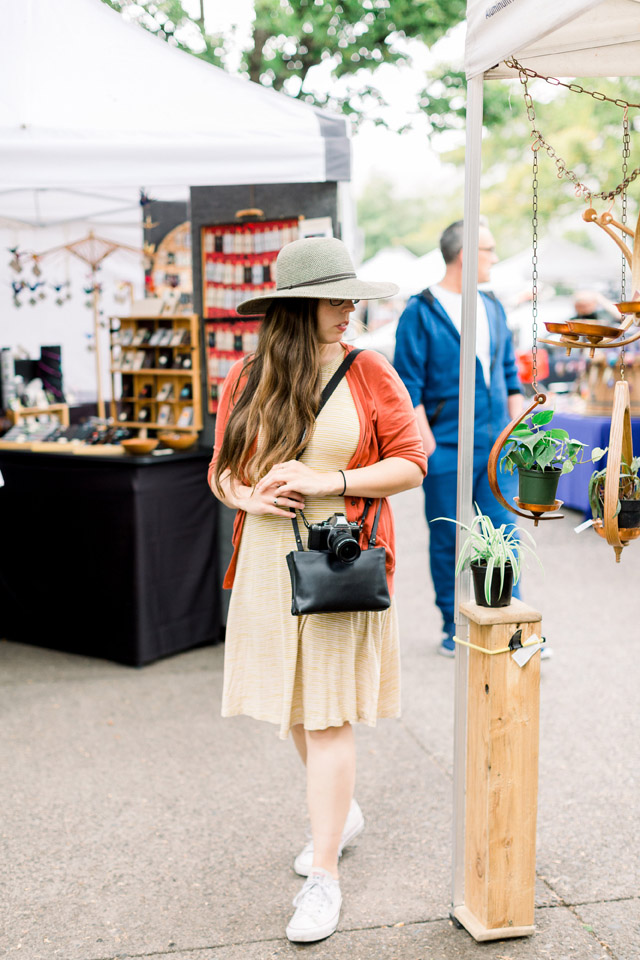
(96, 336)
(473, 166)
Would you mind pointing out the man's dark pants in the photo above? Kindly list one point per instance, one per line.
(440, 494)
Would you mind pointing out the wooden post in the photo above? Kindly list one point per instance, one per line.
(501, 776)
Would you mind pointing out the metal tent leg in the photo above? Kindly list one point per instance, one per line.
(465, 458)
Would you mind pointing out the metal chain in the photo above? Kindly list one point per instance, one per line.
(574, 87)
(534, 272)
(581, 189)
(626, 153)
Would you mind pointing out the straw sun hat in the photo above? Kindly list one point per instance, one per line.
(320, 268)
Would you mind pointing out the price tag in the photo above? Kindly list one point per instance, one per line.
(583, 526)
(523, 654)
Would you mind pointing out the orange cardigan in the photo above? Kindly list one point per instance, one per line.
(388, 428)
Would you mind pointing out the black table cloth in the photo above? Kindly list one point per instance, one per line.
(109, 557)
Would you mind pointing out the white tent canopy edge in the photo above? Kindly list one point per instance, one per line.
(575, 38)
(589, 38)
(97, 100)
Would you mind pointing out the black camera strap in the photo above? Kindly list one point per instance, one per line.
(324, 396)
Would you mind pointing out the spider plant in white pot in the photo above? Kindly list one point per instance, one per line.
(494, 555)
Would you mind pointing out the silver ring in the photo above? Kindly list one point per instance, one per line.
(275, 502)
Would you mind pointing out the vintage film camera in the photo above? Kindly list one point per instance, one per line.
(336, 535)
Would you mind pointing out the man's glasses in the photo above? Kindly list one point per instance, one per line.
(338, 303)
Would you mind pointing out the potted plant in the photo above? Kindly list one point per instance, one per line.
(628, 509)
(494, 555)
(541, 454)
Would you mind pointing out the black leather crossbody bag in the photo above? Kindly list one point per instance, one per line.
(323, 583)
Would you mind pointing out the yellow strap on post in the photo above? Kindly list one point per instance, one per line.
(491, 653)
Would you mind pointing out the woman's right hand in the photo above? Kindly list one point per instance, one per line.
(266, 501)
(260, 500)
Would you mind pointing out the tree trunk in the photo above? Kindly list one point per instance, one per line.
(254, 58)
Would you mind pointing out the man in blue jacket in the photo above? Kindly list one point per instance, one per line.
(427, 358)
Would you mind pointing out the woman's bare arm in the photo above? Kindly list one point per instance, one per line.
(381, 479)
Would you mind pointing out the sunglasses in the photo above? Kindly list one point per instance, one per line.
(338, 303)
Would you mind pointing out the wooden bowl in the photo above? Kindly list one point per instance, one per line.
(586, 328)
(178, 441)
(557, 327)
(629, 306)
(139, 447)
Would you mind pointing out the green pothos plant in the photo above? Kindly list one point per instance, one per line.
(536, 446)
(628, 487)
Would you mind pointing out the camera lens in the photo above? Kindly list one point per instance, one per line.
(343, 545)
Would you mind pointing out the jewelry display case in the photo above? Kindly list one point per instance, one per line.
(155, 372)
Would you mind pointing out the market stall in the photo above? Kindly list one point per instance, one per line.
(90, 123)
(576, 39)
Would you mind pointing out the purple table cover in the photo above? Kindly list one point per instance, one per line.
(594, 431)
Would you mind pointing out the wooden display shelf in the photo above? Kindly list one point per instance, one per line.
(159, 371)
(155, 375)
(61, 410)
(171, 427)
(147, 400)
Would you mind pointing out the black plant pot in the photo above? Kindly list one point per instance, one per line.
(629, 515)
(499, 598)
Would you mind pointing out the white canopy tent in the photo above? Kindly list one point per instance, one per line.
(574, 38)
(589, 38)
(91, 101)
(93, 108)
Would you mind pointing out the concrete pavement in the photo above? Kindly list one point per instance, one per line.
(135, 822)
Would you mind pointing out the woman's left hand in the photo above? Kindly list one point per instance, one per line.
(294, 477)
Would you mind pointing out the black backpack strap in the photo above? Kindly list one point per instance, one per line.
(427, 295)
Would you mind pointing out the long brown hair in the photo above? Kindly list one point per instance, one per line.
(279, 401)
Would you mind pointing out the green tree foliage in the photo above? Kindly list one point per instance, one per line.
(586, 133)
(164, 18)
(351, 37)
(388, 219)
(443, 99)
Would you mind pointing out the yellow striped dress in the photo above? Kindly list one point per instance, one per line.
(319, 670)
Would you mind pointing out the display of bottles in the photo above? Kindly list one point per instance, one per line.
(250, 238)
(237, 272)
(236, 338)
(228, 298)
(238, 264)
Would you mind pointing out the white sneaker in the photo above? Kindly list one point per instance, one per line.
(354, 825)
(318, 908)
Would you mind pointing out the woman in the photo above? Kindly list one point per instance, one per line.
(313, 675)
